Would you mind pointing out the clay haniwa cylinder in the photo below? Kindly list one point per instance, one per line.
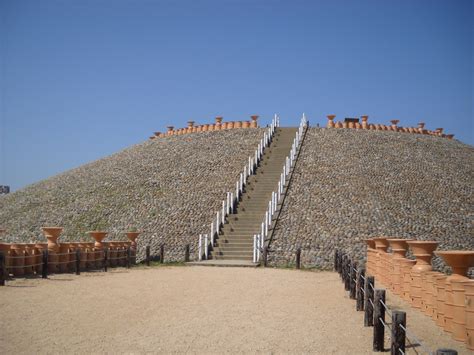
(381, 245)
(371, 257)
(64, 258)
(423, 251)
(330, 123)
(82, 246)
(29, 258)
(428, 305)
(52, 234)
(132, 236)
(254, 123)
(5, 248)
(405, 268)
(98, 246)
(364, 124)
(40, 247)
(18, 258)
(459, 310)
(245, 124)
(440, 300)
(459, 261)
(469, 303)
(399, 248)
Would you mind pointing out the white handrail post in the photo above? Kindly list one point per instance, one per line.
(236, 193)
(266, 223)
(228, 203)
(212, 233)
(223, 212)
(232, 202)
(218, 224)
(206, 247)
(258, 248)
(241, 184)
(254, 248)
(279, 190)
(200, 248)
(244, 178)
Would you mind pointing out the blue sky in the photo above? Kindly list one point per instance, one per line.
(81, 79)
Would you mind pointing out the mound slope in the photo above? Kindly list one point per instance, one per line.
(349, 185)
(169, 188)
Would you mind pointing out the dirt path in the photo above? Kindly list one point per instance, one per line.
(188, 309)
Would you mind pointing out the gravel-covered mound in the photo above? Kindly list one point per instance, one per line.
(349, 185)
(170, 188)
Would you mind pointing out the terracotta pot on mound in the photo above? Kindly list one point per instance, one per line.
(459, 310)
(369, 268)
(345, 124)
(205, 127)
(469, 303)
(405, 266)
(350, 125)
(39, 248)
(82, 246)
(113, 254)
(238, 124)
(330, 123)
(364, 124)
(5, 248)
(381, 245)
(52, 234)
(17, 251)
(459, 261)
(423, 251)
(91, 255)
(245, 124)
(132, 236)
(399, 249)
(98, 236)
(440, 300)
(339, 125)
(63, 259)
(254, 123)
(428, 306)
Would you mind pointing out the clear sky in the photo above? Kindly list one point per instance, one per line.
(81, 79)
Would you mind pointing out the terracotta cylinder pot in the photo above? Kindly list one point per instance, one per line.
(433, 293)
(98, 236)
(120, 253)
(18, 258)
(399, 248)
(423, 251)
(350, 124)
(459, 310)
(427, 305)
(230, 125)
(205, 127)
(5, 248)
(82, 246)
(339, 125)
(370, 256)
(132, 236)
(64, 257)
(113, 254)
(237, 124)
(91, 255)
(211, 128)
(39, 248)
(29, 258)
(469, 302)
(72, 256)
(245, 124)
(405, 268)
(253, 123)
(224, 125)
(364, 124)
(345, 125)
(330, 123)
(381, 245)
(440, 300)
(459, 261)
(52, 234)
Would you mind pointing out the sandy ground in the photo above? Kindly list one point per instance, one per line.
(191, 309)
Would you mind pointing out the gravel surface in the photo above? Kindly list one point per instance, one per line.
(189, 309)
(170, 188)
(349, 185)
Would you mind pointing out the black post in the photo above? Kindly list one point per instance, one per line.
(129, 256)
(265, 253)
(343, 266)
(186, 253)
(379, 320)
(444, 351)
(3, 270)
(352, 280)
(162, 253)
(347, 274)
(78, 262)
(44, 268)
(336, 260)
(399, 323)
(106, 259)
(298, 258)
(147, 255)
(369, 296)
(360, 290)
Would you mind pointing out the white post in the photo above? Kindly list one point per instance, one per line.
(258, 248)
(245, 174)
(218, 224)
(266, 223)
(200, 248)
(250, 166)
(279, 190)
(237, 190)
(274, 202)
(228, 203)
(241, 183)
(212, 233)
(263, 229)
(254, 248)
(270, 209)
(256, 157)
(232, 202)
(223, 212)
(206, 247)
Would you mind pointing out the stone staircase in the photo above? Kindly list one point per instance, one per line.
(235, 241)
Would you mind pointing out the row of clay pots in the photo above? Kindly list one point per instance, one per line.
(26, 258)
(448, 300)
(380, 127)
(219, 125)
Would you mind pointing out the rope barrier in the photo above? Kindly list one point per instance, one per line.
(386, 325)
(22, 267)
(415, 338)
(386, 308)
(401, 351)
